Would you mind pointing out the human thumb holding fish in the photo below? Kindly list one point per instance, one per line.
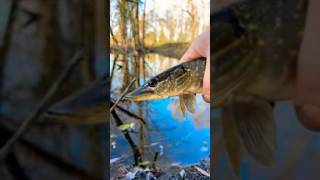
(307, 97)
(200, 47)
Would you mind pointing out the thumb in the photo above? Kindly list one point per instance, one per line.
(308, 83)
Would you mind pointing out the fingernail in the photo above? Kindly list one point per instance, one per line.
(309, 116)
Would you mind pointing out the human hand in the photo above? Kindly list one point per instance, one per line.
(200, 47)
(307, 98)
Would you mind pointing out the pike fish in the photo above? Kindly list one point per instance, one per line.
(255, 49)
(183, 80)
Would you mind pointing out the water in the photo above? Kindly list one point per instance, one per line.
(178, 140)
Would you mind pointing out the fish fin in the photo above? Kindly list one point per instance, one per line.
(190, 102)
(231, 138)
(256, 126)
(237, 57)
(182, 106)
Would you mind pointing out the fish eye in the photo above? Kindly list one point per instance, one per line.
(152, 83)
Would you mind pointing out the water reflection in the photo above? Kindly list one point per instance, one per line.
(177, 139)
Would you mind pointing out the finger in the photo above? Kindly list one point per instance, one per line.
(308, 82)
(200, 47)
(309, 116)
(192, 52)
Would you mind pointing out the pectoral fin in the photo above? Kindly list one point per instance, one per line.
(182, 106)
(254, 120)
(190, 102)
(231, 138)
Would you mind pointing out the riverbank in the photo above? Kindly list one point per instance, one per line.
(174, 50)
(199, 171)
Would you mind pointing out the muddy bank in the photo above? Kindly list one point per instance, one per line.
(199, 171)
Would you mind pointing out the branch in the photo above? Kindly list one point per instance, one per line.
(188, 12)
(129, 113)
(42, 104)
(135, 149)
(14, 167)
(113, 66)
(122, 95)
(7, 35)
(62, 164)
(113, 37)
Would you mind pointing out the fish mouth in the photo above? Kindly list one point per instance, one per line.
(141, 94)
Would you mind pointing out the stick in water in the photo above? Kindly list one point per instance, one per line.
(123, 94)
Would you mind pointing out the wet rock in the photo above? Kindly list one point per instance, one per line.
(199, 171)
(195, 172)
(174, 173)
(205, 164)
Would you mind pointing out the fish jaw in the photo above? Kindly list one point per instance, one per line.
(146, 92)
(142, 93)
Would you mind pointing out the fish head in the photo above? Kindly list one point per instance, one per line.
(153, 89)
(172, 82)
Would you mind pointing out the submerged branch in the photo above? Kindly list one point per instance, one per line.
(15, 168)
(48, 157)
(136, 152)
(135, 149)
(129, 113)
